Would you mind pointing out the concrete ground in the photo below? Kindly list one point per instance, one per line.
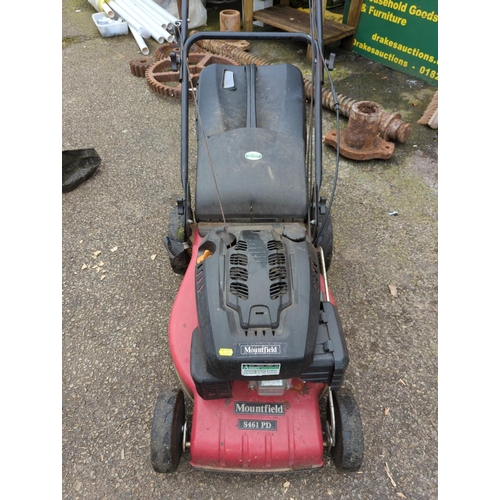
(118, 287)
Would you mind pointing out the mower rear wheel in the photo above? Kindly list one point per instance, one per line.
(347, 453)
(167, 431)
(325, 240)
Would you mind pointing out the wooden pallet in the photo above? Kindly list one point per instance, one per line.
(294, 21)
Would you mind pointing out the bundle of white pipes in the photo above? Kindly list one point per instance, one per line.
(145, 19)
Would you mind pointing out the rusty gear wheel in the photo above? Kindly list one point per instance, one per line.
(162, 80)
(138, 67)
(164, 50)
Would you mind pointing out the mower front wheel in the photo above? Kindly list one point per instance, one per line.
(347, 453)
(167, 431)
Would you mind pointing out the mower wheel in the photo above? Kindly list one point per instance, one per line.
(347, 453)
(326, 239)
(179, 255)
(167, 431)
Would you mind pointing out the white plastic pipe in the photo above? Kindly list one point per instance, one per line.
(169, 17)
(101, 6)
(130, 19)
(157, 32)
(143, 20)
(106, 8)
(140, 41)
(161, 21)
(157, 18)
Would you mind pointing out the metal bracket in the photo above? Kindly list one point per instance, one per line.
(323, 269)
(174, 58)
(331, 62)
(185, 443)
(322, 206)
(332, 416)
(180, 206)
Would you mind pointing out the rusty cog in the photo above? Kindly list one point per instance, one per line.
(138, 67)
(162, 80)
(164, 50)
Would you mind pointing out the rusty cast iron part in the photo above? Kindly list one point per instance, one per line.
(162, 80)
(230, 20)
(227, 50)
(138, 67)
(361, 140)
(391, 127)
(164, 50)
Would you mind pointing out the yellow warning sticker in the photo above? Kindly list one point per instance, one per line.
(225, 351)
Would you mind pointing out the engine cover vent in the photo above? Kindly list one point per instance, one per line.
(239, 290)
(238, 273)
(238, 259)
(277, 273)
(278, 289)
(274, 245)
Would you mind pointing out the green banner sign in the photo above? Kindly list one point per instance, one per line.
(400, 35)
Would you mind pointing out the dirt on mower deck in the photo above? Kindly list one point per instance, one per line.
(118, 288)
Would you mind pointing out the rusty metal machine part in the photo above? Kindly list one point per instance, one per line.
(138, 67)
(230, 20)
(164, 50)
(234, 52)
(361, 140)
(391, 127)
(238, 44)
(162, 80)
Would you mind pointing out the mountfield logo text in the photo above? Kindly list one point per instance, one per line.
(243, 408)
(252, 349)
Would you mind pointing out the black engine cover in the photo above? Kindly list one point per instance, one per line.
(258, 303)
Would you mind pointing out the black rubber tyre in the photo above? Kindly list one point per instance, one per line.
(178, 256)
(166, 431)
(326, 239)
(347, 454)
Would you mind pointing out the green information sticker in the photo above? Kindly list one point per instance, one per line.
(260, 369)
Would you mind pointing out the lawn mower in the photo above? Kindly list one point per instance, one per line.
(254, 331)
